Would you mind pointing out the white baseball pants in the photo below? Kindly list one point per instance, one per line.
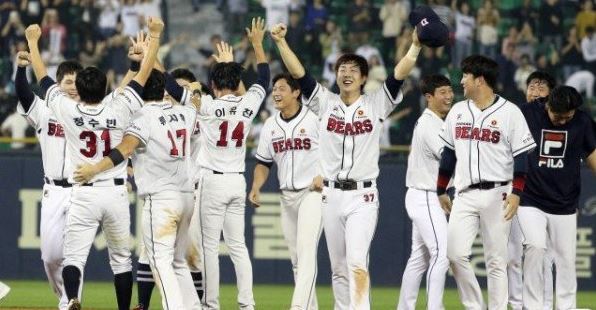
(429, 250)
(514, 270)
(541, 230)
(302, 224)
(221, 201)
(350, 221)
(473, 210)
(91, 206)
(52, 224)
(166, 218)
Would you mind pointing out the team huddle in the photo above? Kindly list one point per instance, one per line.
(186, 144)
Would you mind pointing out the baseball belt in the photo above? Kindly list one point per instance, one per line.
(348, 185)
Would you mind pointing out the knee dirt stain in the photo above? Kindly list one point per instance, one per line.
(170, 226)
(361, 281)
(192, 257)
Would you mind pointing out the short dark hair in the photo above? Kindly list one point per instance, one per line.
(542, 77)
(563, 99)
(67, 67)
(358, 60)
(589, 29)
(226, 75)
(481, 66)
(154, 87)
(430, 83)
(91, 85)
(185, 74)
(294, 85)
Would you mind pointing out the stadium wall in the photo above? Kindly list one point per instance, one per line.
(20, 195)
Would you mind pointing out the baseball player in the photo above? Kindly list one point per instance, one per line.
(349, 150)
(290, 139)
(221, 189)
(538, 86)
(90, 128)
(548, 216)
(53, 150)
(159, 136)
(429, 223)
(486, 138)
(145, 281)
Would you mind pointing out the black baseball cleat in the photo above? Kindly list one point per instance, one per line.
(73, 304)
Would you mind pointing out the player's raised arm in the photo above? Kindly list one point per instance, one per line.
(155, 26)
(33, 33)
(22, 87)
(120, 153)
(406, 64)
(255, 35)
(136, 52)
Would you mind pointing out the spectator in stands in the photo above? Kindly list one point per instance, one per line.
(296, 33)
(331, 39)
(571, 54)
(130, 17)
(367, 50)
(526, 41)
(316, 17)
(583, 82)
(30, 12)
(465, 24)
(15, 126)
(12, 30)
(526, 13)
(511, 39)
(237, 10)
(428, 62)
(585, 18)
(376, 75)
(276, 11)
(588, 45)
(523, 72)
(446, 15)
(149, 8)
(116, 56)
(507, 70)
(53, 33)
(487, 20)
(547, 62)
(109, 11)
(393, 13)
(551, 21)
(207, 52)
(360, 21)
(402, 43)
(92, 53)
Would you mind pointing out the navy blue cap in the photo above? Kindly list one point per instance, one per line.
(429, 28)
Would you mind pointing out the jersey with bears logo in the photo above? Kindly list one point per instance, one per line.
(485, 141)
(293, 145)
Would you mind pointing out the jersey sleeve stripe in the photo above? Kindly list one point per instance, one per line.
(524, 148)
(314, 94)
(259, 88)
(132, 133)
(449, 145)
(184, 95)
(134, 93)
(260, 157)
(397, 99)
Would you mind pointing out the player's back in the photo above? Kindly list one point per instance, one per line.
(225, 123)
(164, 162)
(425, 151)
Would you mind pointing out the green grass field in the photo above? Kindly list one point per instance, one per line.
(100, 295)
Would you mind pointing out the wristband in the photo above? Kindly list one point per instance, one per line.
(135, 66)
(116, 157)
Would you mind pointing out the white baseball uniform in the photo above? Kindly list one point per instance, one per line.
(293, 145)
(56, 191)
(349, 150)
(429, 223)
(163, 171)
(91, 131)
(221, 188)
(485, 143)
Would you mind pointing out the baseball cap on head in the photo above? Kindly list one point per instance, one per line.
(429, 28)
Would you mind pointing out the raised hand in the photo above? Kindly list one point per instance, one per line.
(23, 59)
(257, 31)
(155, 26)
(278, 32)
(33, 33)
(137, 48)
(225, 53)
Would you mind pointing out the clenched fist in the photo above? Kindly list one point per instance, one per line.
(33, 33)
(23, 59)
(155, 25)
(278, 32)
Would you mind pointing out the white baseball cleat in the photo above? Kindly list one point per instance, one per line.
(73, 304)
(4, 289)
